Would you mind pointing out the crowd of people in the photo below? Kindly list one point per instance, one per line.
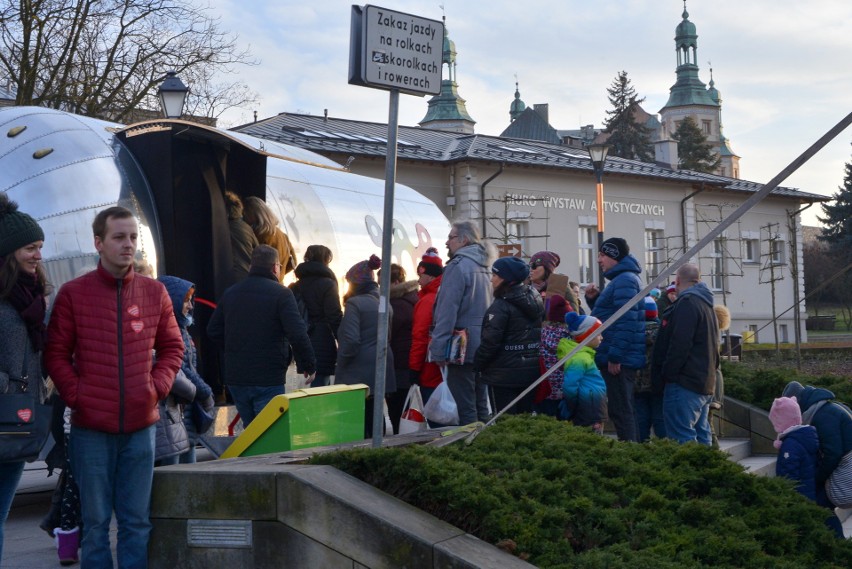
(118, 350)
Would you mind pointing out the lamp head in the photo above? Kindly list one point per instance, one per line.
(172, 94)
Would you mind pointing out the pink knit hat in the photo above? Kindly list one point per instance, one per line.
(784, 414)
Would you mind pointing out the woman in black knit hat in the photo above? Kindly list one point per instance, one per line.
(23, 287)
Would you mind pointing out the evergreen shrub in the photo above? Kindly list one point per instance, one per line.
(760, 386)
(560, 496)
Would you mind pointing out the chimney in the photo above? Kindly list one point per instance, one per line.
(543, 109)
(665, 153)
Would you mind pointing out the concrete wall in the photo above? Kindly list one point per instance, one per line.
(261, 512)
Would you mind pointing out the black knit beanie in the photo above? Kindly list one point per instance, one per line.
(16, 227)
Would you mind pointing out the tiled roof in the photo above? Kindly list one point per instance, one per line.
(360, 138)
(7, 91)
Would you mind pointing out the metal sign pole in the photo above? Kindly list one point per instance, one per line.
(384, 280)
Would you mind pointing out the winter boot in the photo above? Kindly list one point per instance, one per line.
(67, 544)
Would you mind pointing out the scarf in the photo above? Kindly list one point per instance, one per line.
(27, 297)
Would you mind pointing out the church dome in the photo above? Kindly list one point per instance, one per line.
(686, 28)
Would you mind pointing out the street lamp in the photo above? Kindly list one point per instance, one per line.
(597, 154)
(172, 95)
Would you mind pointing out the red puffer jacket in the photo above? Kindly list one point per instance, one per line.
(430, 374)
(99, 353)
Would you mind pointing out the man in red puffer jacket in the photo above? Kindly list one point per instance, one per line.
(427, 374)
(103, 330)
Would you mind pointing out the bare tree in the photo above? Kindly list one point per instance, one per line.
(105, 58)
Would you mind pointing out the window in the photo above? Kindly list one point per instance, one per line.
(516, 233)
(655, 252)
(751, 251)
(586, 250)
(776, 251)
(717, 270)
(705, 126)
(785, 337)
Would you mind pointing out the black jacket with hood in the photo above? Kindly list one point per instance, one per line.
(687, 347)
(511, 334)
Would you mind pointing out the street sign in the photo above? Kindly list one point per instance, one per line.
(395, 50)
(509, 250)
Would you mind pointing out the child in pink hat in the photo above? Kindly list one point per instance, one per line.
(797, 446)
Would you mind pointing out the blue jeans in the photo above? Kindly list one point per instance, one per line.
(685, 413)
(10, 475)
(321, 381)
(471, 396)
(648, 408)
(114, 473)
(619, 394)
(251, 399)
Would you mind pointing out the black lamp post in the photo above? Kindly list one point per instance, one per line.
(597, 154)
(172, 94)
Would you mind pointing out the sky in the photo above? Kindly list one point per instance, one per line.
(782, 67)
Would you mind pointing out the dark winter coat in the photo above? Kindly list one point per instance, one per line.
(256, 323)
(317, 285)
(403, 297)
(687, 348)
(833, 422)
(797, 459)
(177, 289)
(511, 334)
(243, 242)
(624, 340)
(358, 334)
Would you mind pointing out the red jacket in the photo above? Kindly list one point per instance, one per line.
(430, 374)
(105, 373)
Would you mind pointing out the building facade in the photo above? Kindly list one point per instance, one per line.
(533, 188)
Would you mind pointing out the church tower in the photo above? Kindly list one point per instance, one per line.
(447, 109)
(517, 107)
(689, 96)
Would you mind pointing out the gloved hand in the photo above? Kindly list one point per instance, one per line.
(414, 376)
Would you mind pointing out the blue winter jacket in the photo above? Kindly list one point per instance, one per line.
(833, 422)
(583, 388)
(624, 341)
(797, 459)
(177, 289)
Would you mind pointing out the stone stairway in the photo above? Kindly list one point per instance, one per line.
(747, 437)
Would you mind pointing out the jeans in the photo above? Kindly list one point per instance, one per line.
(648, 408)
(619, 394)
(114, 472)
(251, 399)
(10, 475)
(321, 381)
(470, 395)
(685, 413)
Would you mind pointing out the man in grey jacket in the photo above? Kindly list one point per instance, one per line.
(462, 300)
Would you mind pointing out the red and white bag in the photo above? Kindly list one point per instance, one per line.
(412, 419)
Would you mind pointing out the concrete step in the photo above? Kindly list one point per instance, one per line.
(759, 465)
(738, 449)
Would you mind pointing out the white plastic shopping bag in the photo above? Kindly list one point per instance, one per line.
(412, 419)
(441, 407)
